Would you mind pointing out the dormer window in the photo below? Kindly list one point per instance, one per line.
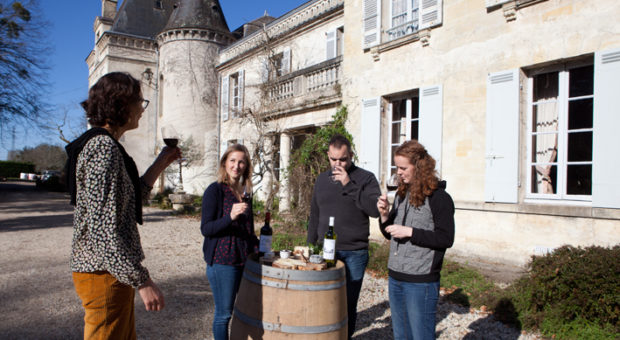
(159, 4)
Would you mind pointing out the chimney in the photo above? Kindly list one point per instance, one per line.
(108, 8)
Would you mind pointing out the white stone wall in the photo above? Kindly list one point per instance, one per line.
(189, 104)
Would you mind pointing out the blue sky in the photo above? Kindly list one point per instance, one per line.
(72, 38)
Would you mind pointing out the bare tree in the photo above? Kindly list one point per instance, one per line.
(22, 62)
(261, 119)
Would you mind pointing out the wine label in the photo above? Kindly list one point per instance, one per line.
(265, 244)
(329, 249)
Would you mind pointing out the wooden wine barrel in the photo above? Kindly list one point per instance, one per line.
(275, 303)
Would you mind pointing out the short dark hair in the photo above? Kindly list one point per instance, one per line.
(339, 140)
(110, 98)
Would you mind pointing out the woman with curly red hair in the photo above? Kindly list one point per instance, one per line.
(420, 226)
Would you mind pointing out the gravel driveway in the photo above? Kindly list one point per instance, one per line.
(38, 300)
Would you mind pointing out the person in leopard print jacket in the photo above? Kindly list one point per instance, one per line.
(107, 192)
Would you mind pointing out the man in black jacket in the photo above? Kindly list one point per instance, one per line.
(349, 194)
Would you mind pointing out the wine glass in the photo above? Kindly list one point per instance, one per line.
(170, 136)
(391, 185)
(171, 139)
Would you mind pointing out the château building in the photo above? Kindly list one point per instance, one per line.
(517, 100)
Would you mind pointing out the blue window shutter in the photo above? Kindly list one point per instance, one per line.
(370, 146)
(605, 157)
(431, 121)
(502, 137)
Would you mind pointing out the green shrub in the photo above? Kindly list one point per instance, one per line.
(287, 241)
(378, 254)
(13, 169)
(571, 287)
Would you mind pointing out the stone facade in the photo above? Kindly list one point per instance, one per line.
(469, 46)
(473, 80)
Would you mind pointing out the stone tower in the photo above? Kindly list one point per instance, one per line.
(188, 83)
(125, 42)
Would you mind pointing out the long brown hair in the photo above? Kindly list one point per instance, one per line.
(222, 176)
(425, 179)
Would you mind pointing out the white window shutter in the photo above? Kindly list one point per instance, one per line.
(225, 98)
(331, 44)
(502, 137)
(223, 147)
(371, 24)
(264, 69)
(431, 121)
(286, 61)
(241, 75)
(605, 157)
(431, 13)
(370, 150)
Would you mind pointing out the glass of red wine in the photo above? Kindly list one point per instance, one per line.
(391, 186)
(170, 136)
(171, 139)
(392, 183)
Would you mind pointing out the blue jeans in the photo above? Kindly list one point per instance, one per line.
(224, 281)
(413, 307)
(355, 265)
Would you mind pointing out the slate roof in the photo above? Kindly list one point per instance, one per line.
(202, 14)
(143, 17)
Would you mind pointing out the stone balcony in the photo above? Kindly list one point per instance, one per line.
(313, 86)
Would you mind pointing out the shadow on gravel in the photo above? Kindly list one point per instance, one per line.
(480, 330)
(374, 315)
(188, 313)
(37, 222)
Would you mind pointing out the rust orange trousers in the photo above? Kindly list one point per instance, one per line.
(108, 305)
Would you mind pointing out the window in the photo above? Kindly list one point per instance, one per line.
(404, 123)
(334, 39)
(404, 18)
(560, 133)
(232, 94)
(158, 4)
(571, 132)
(280, 64)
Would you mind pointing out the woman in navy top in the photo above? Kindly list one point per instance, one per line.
(228, 227)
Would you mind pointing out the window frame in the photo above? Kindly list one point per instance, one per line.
(234, 95)
(408, 97)
(409, 19)
(561, 162)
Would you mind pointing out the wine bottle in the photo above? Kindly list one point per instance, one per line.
(329, 244)
(265, 236)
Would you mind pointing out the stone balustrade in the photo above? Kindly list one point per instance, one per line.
(313, 81)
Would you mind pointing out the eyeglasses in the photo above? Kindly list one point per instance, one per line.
(145, 103)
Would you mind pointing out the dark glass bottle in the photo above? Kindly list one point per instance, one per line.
(329, 244)
(265, 236)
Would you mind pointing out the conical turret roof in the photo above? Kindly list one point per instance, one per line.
(201, 14)
(143, 17)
